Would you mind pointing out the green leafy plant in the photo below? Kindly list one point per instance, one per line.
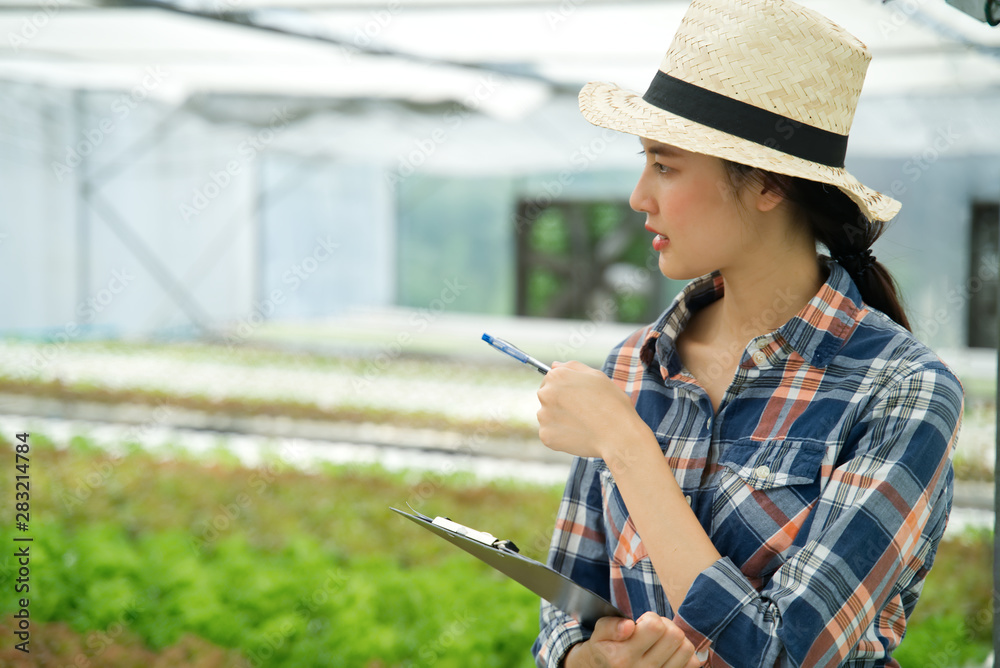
(206, 563)
(269, 566)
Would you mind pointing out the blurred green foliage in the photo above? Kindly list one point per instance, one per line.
(141, 561)
(952, 624)
(298, 605)
(289, 568)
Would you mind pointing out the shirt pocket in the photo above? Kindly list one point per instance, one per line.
(768, 465)
(765, 492)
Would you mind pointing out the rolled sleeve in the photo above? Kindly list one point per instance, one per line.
(560, 633)
(717, 597)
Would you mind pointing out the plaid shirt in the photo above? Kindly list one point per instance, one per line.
(824, 481)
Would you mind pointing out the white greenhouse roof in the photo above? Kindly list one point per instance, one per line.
(120, 48)
(623, 42)
(425, 43)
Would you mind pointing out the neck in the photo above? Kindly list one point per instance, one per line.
(774, 278)
(762, 296)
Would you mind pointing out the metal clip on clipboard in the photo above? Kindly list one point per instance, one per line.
(481, 536)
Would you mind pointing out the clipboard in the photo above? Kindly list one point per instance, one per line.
(579, 602)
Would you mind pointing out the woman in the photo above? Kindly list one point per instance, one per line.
(764, 474)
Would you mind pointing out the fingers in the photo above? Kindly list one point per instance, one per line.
(672, 649)
(644, 645)
(652, 641)
(614, 629)
(664, 642)
(577, 366)
(649, 632)
(693, 662)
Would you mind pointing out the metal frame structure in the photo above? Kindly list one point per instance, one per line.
(94, 207)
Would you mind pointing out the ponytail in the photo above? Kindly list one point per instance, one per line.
(837, 223)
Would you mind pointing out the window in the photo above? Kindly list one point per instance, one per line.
(983, 276)
(586, 260)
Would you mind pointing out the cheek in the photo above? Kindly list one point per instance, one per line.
(681, 204)
(698, 204)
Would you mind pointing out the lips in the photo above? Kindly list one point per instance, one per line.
(660, 241)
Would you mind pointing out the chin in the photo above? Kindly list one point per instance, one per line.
(676, 271)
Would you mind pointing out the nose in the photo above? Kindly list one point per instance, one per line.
(640, 200)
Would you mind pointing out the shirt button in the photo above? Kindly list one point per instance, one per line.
(762, 471)
(708, 424)
(688, 499)
(759, 358)
(761, 344)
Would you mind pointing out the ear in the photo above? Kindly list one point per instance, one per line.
(768, 199)
(771, 193)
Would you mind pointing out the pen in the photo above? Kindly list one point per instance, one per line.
(515, 352)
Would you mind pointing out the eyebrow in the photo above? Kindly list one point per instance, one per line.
(658, 149)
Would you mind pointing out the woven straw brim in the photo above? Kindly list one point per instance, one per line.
(609, 106)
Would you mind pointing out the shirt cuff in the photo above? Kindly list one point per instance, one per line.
(559, 643)
(714, 600)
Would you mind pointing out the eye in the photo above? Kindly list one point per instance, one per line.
(660, 168)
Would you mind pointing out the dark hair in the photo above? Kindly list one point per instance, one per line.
(836, 222)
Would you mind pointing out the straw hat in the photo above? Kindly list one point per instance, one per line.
(766, 83)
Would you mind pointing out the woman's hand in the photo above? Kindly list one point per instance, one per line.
(583, 412)
(652, 642)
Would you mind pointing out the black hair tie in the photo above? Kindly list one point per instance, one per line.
(856, 264)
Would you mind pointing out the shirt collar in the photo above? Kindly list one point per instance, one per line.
(816, 333)
(824, 325)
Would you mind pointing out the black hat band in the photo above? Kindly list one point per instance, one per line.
(746, 121)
